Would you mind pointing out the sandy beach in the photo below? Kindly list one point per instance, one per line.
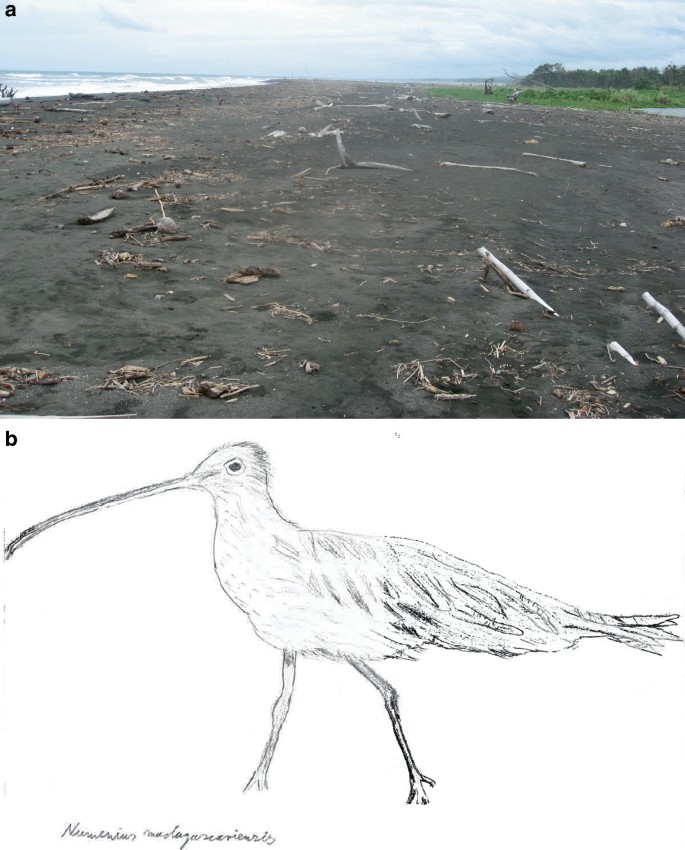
(292, 290)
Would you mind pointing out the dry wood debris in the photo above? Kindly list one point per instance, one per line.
(12, 376)
(95, 184)
(116, 258)
(223, 390)
(268, 237)
(251, 274)
(142, 380)
(442, 388)
(678, 221)
(291, 311)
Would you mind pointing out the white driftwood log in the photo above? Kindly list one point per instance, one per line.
(619, 349)
(665, 314)
(489, 167)
(515, 280)
(577, 162)
(346, 160)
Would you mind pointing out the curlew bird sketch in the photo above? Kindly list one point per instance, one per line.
(361, 599)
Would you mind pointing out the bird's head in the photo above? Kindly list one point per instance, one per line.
(232, 468)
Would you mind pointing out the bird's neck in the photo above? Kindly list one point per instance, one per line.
(249, 514)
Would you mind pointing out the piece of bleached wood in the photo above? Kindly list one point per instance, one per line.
(346, 160)
(64, 109)
(577, 162)
(369, 106)
(515, 280)
(619, 349)
(665, 314)
(489, 167)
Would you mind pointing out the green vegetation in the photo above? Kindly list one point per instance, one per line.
(553, 85)
(608, 78)
(580, 98)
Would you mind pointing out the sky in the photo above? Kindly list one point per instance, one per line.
(345, 39)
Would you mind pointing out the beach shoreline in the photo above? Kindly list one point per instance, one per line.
(380, 283)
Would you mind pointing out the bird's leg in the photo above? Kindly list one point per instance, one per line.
(278, 715)
(417, 781)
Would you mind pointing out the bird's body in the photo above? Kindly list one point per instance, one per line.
(338, 594)
(359, 598)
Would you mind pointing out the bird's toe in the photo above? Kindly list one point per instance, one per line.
(417, 792)
(257, 783)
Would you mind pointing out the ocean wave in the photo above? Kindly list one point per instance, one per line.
(57, 84)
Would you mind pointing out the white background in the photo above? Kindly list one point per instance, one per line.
(134, 693)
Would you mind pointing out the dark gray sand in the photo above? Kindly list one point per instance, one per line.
(380, 281)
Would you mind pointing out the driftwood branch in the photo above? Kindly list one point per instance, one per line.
(97, 183)
(665, 314)
(509, 276)
(577, 162)
(6, 91)
(544, 85)
(346, 160)
(489, 167)
(370, 106)
(65, 109)
(619, 349)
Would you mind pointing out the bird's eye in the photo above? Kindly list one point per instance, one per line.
(235, 467)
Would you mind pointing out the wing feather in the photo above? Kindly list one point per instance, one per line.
(415, 594)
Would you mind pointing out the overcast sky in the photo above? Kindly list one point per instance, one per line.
(402, 39)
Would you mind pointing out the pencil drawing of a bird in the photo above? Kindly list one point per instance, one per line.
(360, 598)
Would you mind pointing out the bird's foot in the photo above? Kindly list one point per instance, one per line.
(417, 791)
(257, 783)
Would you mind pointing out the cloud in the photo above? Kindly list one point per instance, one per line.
(123, 21)
(385, 39)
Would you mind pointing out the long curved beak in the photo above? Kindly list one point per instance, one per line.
(187, 481)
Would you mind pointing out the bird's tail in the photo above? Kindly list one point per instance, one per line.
(646, 632)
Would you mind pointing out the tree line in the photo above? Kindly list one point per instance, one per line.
(554, 74)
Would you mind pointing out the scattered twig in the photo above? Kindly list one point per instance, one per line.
(397, 321)
(288, 312)
(159, 201)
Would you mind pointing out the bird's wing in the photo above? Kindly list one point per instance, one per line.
(456, 596)
(420, 594)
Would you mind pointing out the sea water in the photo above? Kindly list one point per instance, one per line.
(60, 83)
